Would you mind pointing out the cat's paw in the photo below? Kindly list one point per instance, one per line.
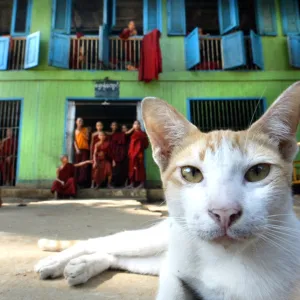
(50, 267)
(80, 270)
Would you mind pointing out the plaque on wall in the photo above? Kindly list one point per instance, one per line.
(107, 89)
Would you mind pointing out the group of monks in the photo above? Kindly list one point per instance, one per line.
(8, 151)
(117, 159)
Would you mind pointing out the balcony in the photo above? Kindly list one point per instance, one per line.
(123, 55)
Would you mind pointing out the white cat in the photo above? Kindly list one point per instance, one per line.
(232, 233)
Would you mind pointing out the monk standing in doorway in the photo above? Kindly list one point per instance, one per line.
(82, 151)
(138, 144)
(8, 151)
(118, 152)
(65, 183)
(102, 171)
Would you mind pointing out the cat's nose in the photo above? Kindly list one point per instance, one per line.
(225, 217)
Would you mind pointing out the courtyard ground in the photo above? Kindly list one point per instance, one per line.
(21, 227)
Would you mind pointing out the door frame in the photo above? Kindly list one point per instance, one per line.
(90, 99)
(20, 133)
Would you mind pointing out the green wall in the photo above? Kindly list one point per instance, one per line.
(45, 90)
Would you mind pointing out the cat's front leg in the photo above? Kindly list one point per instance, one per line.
(53, 266)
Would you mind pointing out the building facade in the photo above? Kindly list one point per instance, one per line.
(224, 62)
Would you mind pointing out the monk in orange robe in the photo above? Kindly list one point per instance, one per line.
(8, 151)
(82, 149)
(102, 170)
(138, 144)
(65, 183)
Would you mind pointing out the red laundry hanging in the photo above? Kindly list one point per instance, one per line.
(150, 57)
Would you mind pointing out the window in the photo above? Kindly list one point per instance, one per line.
(247, 16)
(85, 34)
(290, 16)
(5, 16)
(234, 114)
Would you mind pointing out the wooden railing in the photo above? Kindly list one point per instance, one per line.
(124, 55)
(211, 54)
(17, 53)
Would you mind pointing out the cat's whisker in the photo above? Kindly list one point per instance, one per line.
(280, 232)
(283, 228)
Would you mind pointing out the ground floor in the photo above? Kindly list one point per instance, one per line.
(41, 115)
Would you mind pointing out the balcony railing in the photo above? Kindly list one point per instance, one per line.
(124, 55)
(211, 55)
(16, 53)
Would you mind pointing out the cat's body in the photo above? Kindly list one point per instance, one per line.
(232, 233)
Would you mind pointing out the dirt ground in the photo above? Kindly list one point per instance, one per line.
(21, 227)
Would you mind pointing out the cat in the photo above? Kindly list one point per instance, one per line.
(231, 233)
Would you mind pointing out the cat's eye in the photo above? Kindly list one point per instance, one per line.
(191, 174)
(257, 172)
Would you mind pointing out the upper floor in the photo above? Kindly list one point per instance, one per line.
(197, 35)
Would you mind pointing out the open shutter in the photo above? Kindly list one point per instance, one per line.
(294, 50)
(233, 50)
(70, 129)
(192, 49)
(4, 50)
(257, 49)
(228, 15)
(290, 16)
(60, 50)
(104, 45)
(32, 50)
(139, 115)
(266, 17)
(152, 15)
(176, 17)
(61, 20)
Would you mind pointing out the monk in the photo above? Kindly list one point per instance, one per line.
(118, 153)
(82, 151)
(95, 139)
(138, 144)
(65, 183)
(102, 171)
(8, 151)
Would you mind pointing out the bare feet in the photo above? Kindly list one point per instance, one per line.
(141, 186)
(55, 196)
(130, 186)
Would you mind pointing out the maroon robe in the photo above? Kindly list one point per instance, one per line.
(95, 140)
(138, 144)
(67, 175)
(103, 165)
(118, 153)
(8, 150)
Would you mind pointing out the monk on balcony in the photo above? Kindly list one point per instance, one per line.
(82, 153)
(8, 151)
(65, 183)
(138, 144)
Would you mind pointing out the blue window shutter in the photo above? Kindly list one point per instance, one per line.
(176, 17)
(294, 50)
(192, 49)
(228, 15)
(14, 31)
(4, 50)
(266, 17)
(233, 50)
(59, 55)
(61, 19)
(152, 15)
(113, 14)
(104, 44)
(32, 50)
(290, 16)
(257, 50)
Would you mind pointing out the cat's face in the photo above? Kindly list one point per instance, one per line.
(223, 170)
(226, 186)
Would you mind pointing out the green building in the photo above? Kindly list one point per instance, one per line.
(53, 53)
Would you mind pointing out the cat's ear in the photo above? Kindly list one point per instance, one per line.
(165, 127)
(281, 120)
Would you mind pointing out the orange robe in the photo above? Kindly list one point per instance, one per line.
(103, 165)
(65, 174)
(138, 144)
(8, 151)
(82, 142)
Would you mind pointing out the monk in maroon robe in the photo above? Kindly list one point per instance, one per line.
(102, 171)
(8, 151)
(118, 153)
(138, 144)
(65, 183)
